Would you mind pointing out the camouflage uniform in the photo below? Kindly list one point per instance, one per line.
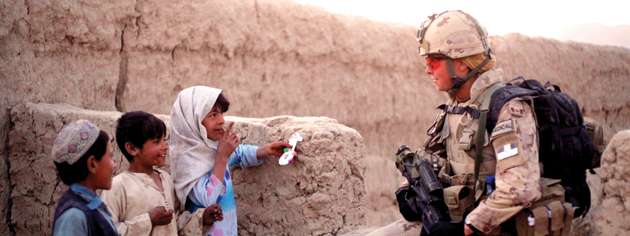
(510, 150)
(510, 153)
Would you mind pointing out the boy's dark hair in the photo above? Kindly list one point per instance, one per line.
(222, 103)
(77, 172)
(137, 127)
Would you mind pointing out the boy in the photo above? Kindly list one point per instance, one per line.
(83, 157)
(142, 199)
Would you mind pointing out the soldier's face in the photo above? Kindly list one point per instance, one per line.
(437, 69)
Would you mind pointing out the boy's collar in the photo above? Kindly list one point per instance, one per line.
(93, 200)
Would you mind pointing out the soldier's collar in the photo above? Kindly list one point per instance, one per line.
(485, 81)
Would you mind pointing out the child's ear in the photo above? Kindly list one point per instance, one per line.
(131, 149)
(92, 164)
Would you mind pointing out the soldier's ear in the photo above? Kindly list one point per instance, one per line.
(461, 66)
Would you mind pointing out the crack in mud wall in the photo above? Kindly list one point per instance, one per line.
(7, 228)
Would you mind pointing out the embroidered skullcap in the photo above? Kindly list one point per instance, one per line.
(74, 140)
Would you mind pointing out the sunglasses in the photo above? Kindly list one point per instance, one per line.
(433, 61)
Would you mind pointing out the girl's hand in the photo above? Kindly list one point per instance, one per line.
(273, 149)
(227, 144)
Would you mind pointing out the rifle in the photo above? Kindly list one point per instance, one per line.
(426, 197)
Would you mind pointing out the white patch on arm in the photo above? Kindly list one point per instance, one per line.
(507, 150)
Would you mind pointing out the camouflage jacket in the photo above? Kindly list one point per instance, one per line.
(510, 154)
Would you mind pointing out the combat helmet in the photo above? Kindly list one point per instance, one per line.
(453, 35)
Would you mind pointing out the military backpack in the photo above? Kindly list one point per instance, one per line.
(566, 142)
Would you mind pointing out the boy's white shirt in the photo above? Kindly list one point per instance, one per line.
(191, 152)
(133, 195)
(131, 198)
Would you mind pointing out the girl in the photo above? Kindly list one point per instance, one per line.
(203, 153)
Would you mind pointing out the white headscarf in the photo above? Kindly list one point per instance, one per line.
(192, 153)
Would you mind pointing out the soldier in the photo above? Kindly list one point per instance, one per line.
(459, 60)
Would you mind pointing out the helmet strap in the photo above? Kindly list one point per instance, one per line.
(459, 81)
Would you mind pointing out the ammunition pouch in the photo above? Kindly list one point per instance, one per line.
(460, 201)
(550, 215)
(462, 179)
(596, 132)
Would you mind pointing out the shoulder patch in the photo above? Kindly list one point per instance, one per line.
(507, 150)
(502, 127)
(515, 108)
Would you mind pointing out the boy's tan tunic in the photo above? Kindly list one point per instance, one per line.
(133, 195)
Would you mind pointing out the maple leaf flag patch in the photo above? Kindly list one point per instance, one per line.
(506, 151)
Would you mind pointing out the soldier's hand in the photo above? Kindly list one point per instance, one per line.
(404, 182)
(160, 215)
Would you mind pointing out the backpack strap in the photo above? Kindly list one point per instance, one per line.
(517, 87)
(454, 109)
(484, 105)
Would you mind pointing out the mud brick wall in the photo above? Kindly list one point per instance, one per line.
(272, 57)
(611, 217)
(321, 193)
